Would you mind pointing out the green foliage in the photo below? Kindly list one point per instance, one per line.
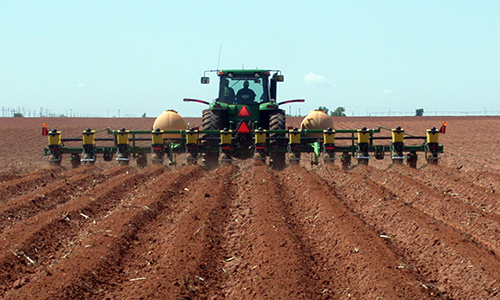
(419, 112)
(323, 108)
(338, 112)
(143, 115)
(18, 115)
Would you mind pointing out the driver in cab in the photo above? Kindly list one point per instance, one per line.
(228, 92)
(245, 95)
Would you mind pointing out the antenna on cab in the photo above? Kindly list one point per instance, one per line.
(218, 60)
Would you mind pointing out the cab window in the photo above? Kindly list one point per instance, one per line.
(243, 90)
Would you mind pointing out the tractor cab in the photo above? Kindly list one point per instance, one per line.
(243, 87)
(247, 87)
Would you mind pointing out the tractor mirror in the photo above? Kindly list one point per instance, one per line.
(205, 80)
(279, 78)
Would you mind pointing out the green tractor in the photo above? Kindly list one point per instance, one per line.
(246, 104)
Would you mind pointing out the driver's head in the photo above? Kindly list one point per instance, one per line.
(246, 84)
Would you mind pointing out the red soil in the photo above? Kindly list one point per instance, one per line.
(248, 232)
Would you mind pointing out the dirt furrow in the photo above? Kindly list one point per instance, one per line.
(454, 184)
(489, 180)
(8, 177)
(176, 252)
(49, 196)
(473, 162)
(477, 224)
(266, 260)
(30, 248)
(351, 259)
(30, 182)
(445, 259)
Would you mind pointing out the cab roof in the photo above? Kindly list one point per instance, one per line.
(240, 72)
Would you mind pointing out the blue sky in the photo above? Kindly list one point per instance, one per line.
(98, 57)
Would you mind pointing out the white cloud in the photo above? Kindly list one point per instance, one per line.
(386, 91)
(316, 80)
(80, 85)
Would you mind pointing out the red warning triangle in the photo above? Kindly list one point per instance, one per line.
(244, 112)
(243, 128)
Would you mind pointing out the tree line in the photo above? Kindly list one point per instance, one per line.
(338, 112)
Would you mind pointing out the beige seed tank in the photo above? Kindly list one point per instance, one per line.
(317, 119)
(170, 120)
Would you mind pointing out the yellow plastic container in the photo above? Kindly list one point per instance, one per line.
(294, 136)
(329, 136)
(55, 138)
(122, 137)
(88, 137)
(260, 136)
(432, 136)
(157, 137)
(192, 137)
(363, 136)
(398, 135)
(226, 137)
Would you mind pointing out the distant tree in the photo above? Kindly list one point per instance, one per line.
(322, 108)
(338, 112)
(419, 112)
(18, 115)
(143, 115)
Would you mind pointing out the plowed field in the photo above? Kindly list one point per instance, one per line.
(245, 231)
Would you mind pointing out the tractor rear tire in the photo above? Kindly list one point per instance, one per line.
(277, 159)
(210, 121)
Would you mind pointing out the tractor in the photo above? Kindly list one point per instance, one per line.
(246, 103)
